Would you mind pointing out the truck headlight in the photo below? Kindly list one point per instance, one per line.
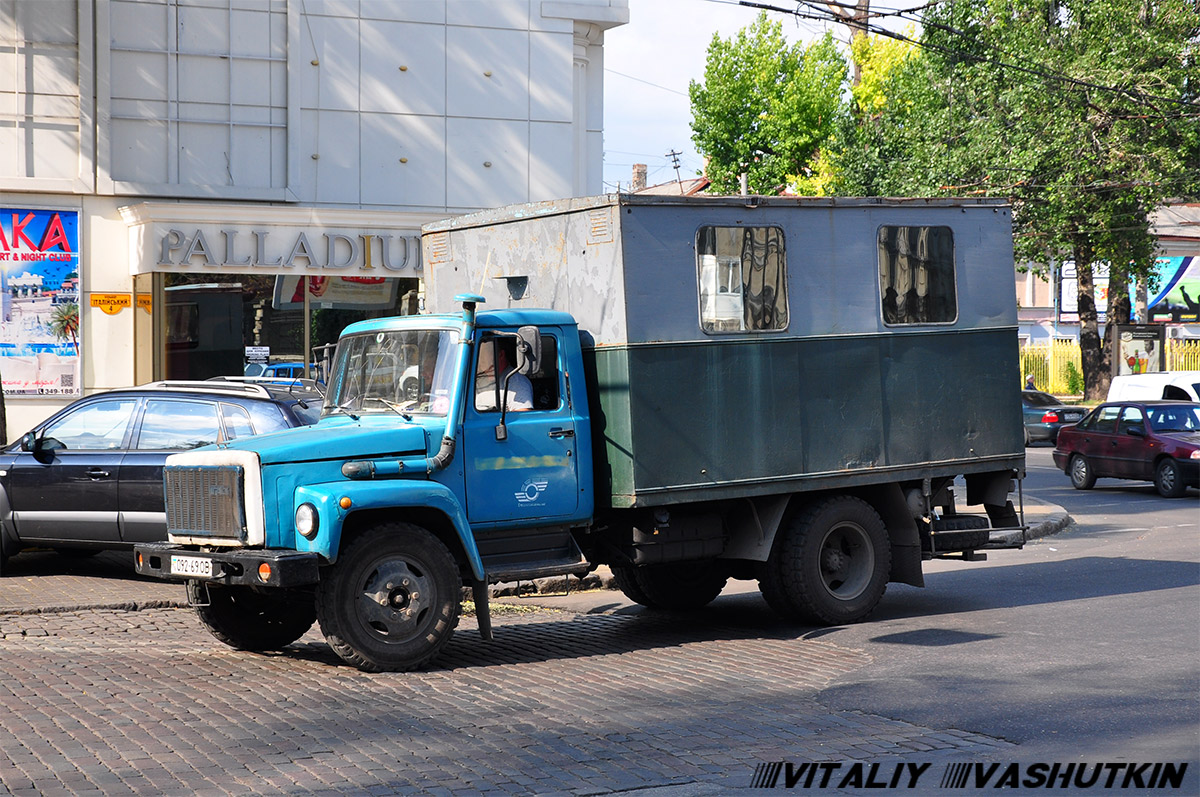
(307, 521)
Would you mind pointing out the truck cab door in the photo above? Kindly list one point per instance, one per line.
(532, 475)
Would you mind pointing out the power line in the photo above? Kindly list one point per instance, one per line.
(647, 82)
(1035, 71)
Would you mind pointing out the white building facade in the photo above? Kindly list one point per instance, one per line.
(154, 154)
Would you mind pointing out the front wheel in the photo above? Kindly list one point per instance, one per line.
(392, 600)
(835, 560)
(245, 619)
(1081, 473)
(1168, 480)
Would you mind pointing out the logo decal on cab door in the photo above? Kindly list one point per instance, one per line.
(530, 492)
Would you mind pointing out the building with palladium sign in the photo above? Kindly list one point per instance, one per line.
(186, 183)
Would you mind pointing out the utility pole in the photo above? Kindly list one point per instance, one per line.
(674, 156)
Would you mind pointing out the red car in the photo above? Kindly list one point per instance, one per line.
(1156, 441)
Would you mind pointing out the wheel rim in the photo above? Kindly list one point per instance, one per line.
(396, 598)
(1079, 470)
(1166, 477)
(847, 561)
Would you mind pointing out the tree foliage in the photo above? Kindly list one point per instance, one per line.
(1083, 112)
(765, 106)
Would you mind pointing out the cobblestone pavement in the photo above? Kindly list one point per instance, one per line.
(112, 701)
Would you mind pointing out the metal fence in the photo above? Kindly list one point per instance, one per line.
(1056, 366)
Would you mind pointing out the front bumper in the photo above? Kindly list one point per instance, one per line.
(1189, 471)
(238, 566)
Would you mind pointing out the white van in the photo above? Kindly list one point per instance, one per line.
(1172, 385)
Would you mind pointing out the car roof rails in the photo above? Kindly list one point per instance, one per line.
(277, 381)
(199, 386)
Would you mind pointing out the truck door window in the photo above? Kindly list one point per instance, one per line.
(916, 275)
(537, 391)
(742, 279)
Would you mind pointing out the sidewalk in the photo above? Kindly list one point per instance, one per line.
(44, 581)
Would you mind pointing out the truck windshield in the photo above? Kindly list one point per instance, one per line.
(408, 371)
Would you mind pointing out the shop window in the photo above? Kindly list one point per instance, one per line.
(742, 279)
(916, 275)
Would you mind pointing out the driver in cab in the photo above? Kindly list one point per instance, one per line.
(494, 369)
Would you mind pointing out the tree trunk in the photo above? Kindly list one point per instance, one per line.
(856, 21)
(1091, 349)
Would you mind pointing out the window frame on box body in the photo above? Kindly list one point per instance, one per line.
(765, 246)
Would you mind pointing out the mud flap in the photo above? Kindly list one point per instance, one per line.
(483, 609)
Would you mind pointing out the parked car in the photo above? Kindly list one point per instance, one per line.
(90, 477)
(1045, 415)
(1155, 441)
(284, 371)
(1170, 385)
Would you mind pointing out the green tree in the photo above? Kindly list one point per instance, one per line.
(765, 107)
(1083, 112)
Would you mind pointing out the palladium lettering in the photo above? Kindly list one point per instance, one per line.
(332, 250)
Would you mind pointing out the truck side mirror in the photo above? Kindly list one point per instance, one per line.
(529, 350)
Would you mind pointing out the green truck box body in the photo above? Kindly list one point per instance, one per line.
(836, 398)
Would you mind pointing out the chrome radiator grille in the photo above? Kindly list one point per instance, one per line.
(206, 501)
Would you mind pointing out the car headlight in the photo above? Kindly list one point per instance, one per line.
(307, 521)
(1195, 454)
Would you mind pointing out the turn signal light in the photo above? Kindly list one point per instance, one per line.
(345, 503)
(264, 572)
(139, 559)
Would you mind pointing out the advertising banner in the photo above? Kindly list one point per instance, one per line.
(1178, 296)
(1139, 349)
(339, 293)
(1068, 305)
(39, 302)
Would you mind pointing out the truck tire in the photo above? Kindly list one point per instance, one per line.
(834, 560)
(961, 533)
(676, 585)
(626, 581)
(391, 603)
(774, 592)
(245, 619)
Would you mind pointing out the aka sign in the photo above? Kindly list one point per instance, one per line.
(39, 302)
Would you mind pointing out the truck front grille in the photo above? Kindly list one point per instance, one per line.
(205, 501)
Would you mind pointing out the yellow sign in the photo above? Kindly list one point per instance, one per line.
(111, 303)
(143, 301)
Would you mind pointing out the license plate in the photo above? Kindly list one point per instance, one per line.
(191, 566)
(1072, 416)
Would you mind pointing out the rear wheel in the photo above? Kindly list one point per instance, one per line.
(835, 560)
(1168, 480)
(392, 602)
(1081, 473)
(676, 585)
(246, 619)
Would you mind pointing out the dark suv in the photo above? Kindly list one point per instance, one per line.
(90, 477)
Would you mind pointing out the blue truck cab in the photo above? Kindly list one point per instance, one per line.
(487, 458)
(795, 391)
